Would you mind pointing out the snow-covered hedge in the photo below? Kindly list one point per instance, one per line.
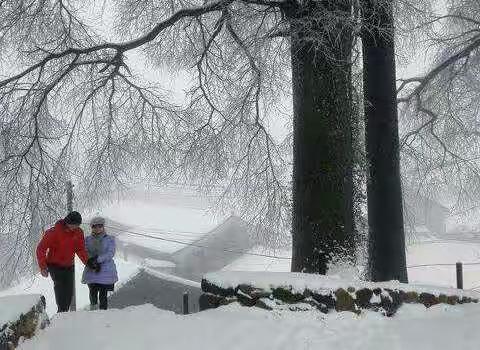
(20, 317)
(300, 291)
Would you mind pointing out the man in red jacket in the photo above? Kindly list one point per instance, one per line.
(55, 255)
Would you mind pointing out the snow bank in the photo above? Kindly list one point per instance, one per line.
(12, 306)
(21, 316)
(441, 327)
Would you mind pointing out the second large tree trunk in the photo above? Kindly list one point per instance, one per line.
(322, 104)
(385, 213)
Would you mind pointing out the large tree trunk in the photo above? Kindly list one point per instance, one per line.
(322, 107)
(385, 212)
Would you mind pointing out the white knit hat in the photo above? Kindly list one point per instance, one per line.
(97, 220)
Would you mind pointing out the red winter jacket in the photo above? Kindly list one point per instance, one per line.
(61, 244)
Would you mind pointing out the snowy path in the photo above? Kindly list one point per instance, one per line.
(44, 286)
(145, 328)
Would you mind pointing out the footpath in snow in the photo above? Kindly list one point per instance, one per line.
(44, 286)
(144, 327)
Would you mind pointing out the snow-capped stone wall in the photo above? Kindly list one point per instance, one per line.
(297, 292)
(20, 317)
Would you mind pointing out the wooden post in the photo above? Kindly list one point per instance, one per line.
(185, 303)
(459, 275)
(73, 304)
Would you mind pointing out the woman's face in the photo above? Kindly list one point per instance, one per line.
(98, 229)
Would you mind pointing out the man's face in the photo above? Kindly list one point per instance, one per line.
(72, 227)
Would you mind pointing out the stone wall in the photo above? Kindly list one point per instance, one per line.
(354, 299)
(25, 326)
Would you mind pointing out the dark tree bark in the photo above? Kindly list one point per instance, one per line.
(385, 212)
(322, 105)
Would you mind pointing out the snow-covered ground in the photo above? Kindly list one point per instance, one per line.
(44, 286)
(185, 219)
(419, 253)
(144, 327)
(234, 327)
(448, 252)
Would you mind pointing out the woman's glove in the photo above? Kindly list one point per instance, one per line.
(97, 267)
(93, 264)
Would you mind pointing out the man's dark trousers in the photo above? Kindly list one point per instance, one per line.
(63, 279)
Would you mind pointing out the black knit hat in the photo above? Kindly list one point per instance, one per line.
(73, 218)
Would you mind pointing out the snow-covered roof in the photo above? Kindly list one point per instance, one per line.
(154, 263)
(165, 228)
(154, 216)
(172, 278)
(253, 261)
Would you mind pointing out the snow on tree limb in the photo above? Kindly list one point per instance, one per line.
(74, 110)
